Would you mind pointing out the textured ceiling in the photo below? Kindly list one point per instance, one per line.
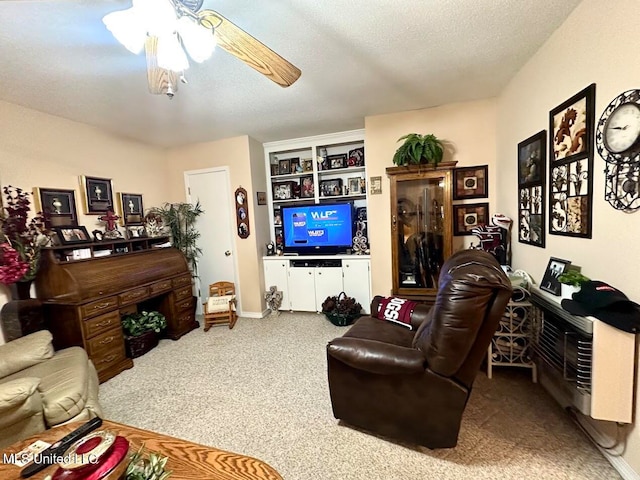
(358, 58)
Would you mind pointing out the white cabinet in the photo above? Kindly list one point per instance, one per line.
(356, 281)
(302, 289)
(328, 283)
(276, 273)
(306, 282)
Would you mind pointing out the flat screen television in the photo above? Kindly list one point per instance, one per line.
(317, 229)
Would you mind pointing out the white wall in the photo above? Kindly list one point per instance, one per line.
(598, 43)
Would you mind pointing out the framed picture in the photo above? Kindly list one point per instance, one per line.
(296, 166)
(555, 268)
(98, 195)
(262, 198)
(571, 165)
(284, 166)
(331, 188)
(337, 161)
(57, 206)
(355, 157)
(470, 182)
(283, 191)
(277, 218)
(375, 185)
(532, 160)
(72, 235)
(307, 165)
(242, 212)
(136, 232)
(467, 217)
(354, 185)
(131, 209)
(307, 189)
(275, 169)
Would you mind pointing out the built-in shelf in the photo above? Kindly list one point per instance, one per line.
(89, 251)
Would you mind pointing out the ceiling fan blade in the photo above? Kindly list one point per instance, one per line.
(254, 53)
(159, 80)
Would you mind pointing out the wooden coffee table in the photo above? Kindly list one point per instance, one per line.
(187, 460)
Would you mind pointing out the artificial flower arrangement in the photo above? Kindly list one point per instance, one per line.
(21, 239)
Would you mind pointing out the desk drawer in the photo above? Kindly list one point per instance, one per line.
(180, 281)
(185, 319)
(107, 341)
(160, 287)
(185, 304)
(182, 293)
(100, 306)
(107, 358)
(133, 296)
(100, 324)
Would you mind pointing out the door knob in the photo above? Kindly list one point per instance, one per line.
(227, 253)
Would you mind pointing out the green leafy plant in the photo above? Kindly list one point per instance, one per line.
(573, 277)
(419, 149)
(152, 468)
(180, 219)
(138, 323)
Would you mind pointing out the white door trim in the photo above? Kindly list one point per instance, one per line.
(200, 171)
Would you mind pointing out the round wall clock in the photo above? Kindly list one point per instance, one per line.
(618, 143)
(618, 129)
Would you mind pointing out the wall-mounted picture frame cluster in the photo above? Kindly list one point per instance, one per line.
(532, 159)
(466, 217)
(242, 212)
(571, 127)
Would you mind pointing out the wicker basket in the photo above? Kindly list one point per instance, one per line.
(138, 346)
(341, 320)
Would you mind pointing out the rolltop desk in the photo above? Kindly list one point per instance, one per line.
(84, 298)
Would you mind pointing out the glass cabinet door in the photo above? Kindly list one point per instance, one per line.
(421, 230)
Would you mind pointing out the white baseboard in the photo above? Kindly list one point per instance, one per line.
(262, 314)
(621, 466)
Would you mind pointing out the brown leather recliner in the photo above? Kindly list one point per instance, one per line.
(413, 385)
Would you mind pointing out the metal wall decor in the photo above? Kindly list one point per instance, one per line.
(532, 159)
(571, 165)
(617, 141)
(242, 212)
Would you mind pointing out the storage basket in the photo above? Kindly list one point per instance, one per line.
(340, 319)
(138, 346)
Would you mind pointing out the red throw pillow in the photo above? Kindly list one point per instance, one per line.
(396, 310)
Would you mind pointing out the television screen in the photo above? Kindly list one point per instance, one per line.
(317, 229)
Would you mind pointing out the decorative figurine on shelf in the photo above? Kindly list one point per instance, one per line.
(111, 230)
(153, 224)
(274, 300)
(271, 249)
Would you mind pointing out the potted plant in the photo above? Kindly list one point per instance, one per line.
(141, 331)
(180, 219)
(419, 150)
(570, 282)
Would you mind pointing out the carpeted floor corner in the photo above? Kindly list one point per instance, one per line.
(261, 390)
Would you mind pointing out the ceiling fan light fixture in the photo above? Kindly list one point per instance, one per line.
(171, 56)
(126, 27)
(197, 40)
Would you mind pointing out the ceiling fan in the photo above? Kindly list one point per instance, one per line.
(166, 28)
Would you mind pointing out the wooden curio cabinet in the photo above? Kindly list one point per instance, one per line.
(421, 228)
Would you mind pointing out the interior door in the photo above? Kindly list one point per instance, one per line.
(216, 226)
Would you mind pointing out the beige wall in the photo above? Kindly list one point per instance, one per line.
(246, 167)
(40, 150)
(469, 131)
(594, 45)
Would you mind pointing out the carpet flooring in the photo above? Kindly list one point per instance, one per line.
(261, 390)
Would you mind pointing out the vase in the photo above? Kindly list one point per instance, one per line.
(21, 315)
(20, 290)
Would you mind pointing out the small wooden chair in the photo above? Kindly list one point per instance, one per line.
(220, 308)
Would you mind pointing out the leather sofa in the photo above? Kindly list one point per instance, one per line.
(40, 388)
(413, 385)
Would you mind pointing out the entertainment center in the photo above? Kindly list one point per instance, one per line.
(318, 202)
